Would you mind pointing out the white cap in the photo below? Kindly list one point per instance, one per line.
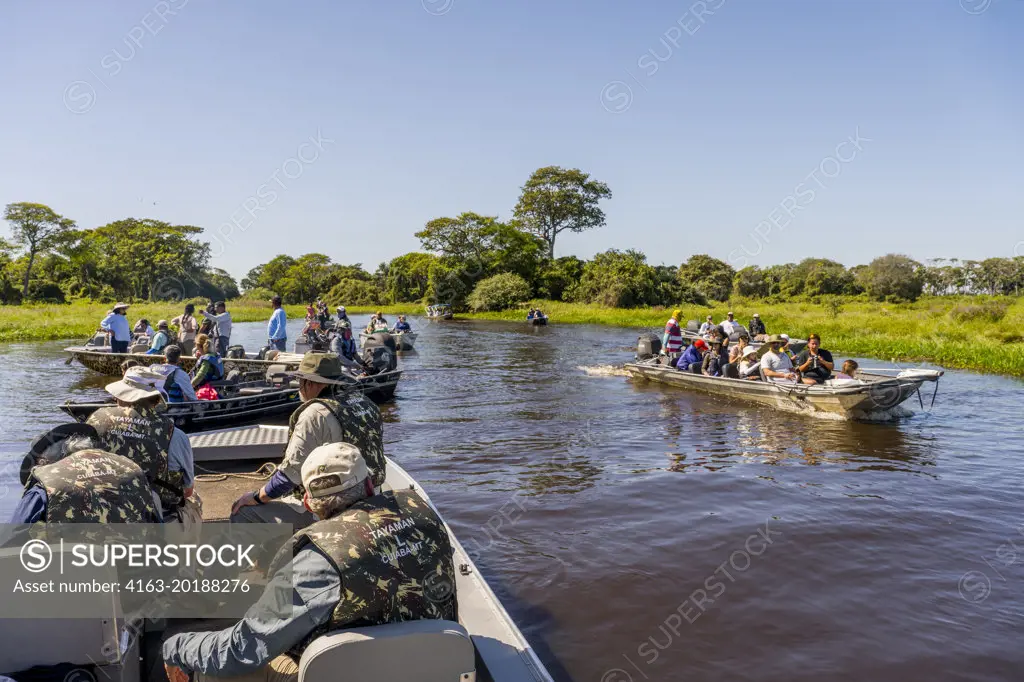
(138, 383)
(785, 336)
(341, 308)
(333, 468)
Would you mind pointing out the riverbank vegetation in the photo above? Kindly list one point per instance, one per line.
(956, 313)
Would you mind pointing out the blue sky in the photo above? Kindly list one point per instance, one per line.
(702, 117)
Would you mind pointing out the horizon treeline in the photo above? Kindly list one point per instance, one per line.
(471, 261)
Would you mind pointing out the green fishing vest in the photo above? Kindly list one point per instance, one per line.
(93, 486)
(361, 425)
(144, 437)
(394, 558)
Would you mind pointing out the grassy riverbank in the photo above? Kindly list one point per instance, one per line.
(978, 333)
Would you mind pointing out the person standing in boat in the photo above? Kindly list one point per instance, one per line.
(277, 328)
(814, 363)
(672, 339)
(320, 419)
(369, 559)
(775, 364)
(342, 342)
(222, 324)
(187, 328)
(116, 326)
(134, 429)
(757, 329)
(177, 382)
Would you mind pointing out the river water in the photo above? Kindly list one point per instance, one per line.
(637, 532)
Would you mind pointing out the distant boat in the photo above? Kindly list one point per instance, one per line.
(538, 320)
(440, 311)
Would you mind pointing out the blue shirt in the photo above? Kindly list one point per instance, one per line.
(179, 378)
(118, 324)
(690, 356)
(402, 327)
(276, 328)
(281, 619)
(159, 341)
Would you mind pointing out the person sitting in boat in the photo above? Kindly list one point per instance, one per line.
(693, 357)
(756, 328)
(209, 367)
(729, 324)
(850, 368)
(381, 324)
(319, 420)
(711, 364)
(731, 368)
(335, 574)
(160, 340)
(402, 326)
(785, 347)
(530, 315)
(775, 364)
(116, 326)
(706, 326)
(814, 363)
(342, 341)
(177, 382)
(134, 429)
(142, 328)
(750, 366)
(61, 484)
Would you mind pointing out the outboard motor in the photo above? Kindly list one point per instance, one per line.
(379, 353)
(262, 355)
(647, 346)
(236, 352)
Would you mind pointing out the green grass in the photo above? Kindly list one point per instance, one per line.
(977, 333)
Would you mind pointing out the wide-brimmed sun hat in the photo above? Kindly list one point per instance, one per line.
(749, 350)
(120, 306)
(323, 368)
(774, 338)
(139, 383)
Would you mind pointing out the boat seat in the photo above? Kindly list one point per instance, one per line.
(139, 348)
(414, 651)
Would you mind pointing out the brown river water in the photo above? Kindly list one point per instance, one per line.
(637, 532)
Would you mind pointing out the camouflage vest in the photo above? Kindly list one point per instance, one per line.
(361, 425)
(144, 437)
(92, 486)
(394, 558)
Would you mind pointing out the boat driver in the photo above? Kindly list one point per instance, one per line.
(413, 580)
(320, 419)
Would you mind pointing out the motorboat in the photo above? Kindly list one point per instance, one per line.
(871, 392)
(404, 341)
(101, 359)
(537, 320)
(440, 311)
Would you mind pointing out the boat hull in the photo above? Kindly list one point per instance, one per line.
(105, 362)
(538, 321)
(404, 341)
(853, 401)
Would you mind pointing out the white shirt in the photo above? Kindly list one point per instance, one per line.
(704, 328)
(223, 322)
(729, 327)
(777, 362)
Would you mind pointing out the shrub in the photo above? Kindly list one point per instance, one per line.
(499, 292)
(986, 311)
(354, 292)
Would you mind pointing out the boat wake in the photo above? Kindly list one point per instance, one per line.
(604, 370)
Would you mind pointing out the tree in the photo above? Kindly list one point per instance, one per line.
(408, 277)
(892, 277)
(499, 292)
(35, 227)
(556, 199)
(557, 276)
(354, 292)
(751, 281)
(711, 277)
(617, 279)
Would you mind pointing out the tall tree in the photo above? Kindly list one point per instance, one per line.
(556, 199)
(709, 276)
(35, 227)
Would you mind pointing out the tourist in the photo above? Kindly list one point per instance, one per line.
(750, 366)
(729, 324)
(775, 364)
(785, 347)
(330, 577)
(757, 329)
(672, 339)
(57, 474)
(402, 326)
(731, 368)
(381, 325)
(221, 319)
(850, 368)
(142, 328)
(317, 421)
(711, 364)
(706, 327)
(209, 366)
(116, 326)
(177, 383)
(160, 339)
(277, 328)
(134, 429)
(692, 358)
(342, 342)
(187, 329)
(814, 363)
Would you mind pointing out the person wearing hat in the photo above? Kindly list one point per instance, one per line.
(177, 382)
(785, 347)
(367, 560)
(68, 479)
(750, 366)
(731, 368)
(160, 339)
(320, 419)
(135, 430)
(221, 319)
(693, 357)
(814, 363)
(117, 328)
(672, 339)
(775, 364)
(729, 324)
(187, 328)
(756, 328)
(277, 327)
(706, 326)
(711, 364)
(342, 342)
(143, 328)
(377, 323)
